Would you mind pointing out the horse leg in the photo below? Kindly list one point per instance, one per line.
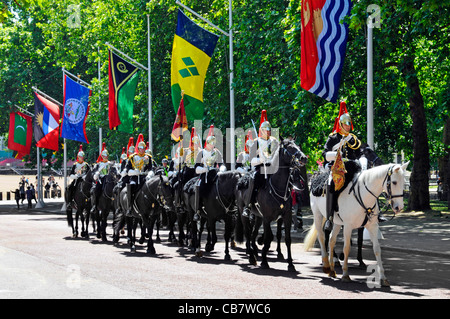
(332, 243)
(254, 235)
(347, 237)
(287, 239)
(150, 247)
(131, 228)
(279, 228)
(105, 214)
(373, 231)
(228, 231)
(360, 242)
(268, 237)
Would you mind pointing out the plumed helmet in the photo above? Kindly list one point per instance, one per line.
(131, 149)
(345, 119)
(142, 145)
(266, 126)
(80, 154)
(211, 140)
(105, 153)
(123, 156)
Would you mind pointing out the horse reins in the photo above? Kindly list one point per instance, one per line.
(358, 197)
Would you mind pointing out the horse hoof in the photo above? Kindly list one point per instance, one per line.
(346, 278)
(151, 251)
(252, 261)
(227, 257)
(99, 236)
(326, 270)
(385, 283)
(133, 249)
(199, 254)
(362, 265)
(291, 268)
(233, 244)
(332, 274)
(265, 265)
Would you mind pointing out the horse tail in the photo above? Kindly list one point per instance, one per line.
(310, 238)
(69, 217)
(239, 230)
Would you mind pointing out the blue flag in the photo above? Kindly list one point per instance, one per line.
(76, 109)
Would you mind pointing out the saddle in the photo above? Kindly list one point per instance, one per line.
(319, 182)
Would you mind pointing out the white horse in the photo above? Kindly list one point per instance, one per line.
(357, 205)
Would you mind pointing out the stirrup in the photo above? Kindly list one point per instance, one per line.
(196, 217)
(328, 225)
(246, 212)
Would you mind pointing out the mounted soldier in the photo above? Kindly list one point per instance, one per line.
(243, 160)
(138, 166)
(101, 169)
(341, 148)
(261, 154)
(208, 159)
(77, 173)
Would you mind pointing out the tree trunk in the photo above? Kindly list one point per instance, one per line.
(419, 198)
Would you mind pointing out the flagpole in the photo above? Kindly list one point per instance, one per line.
(370, 84)
(149, 72)
(63, 208)
(125, 55)
(230, 38)
(40, 203)
(232, 123)
(99, 104)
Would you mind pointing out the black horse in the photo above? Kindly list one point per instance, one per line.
(185, 211)
(273, 201)
(105, 202)
(154, 195)
(81, 201)
(218, 201)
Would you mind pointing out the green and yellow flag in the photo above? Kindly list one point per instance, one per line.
(192, 49)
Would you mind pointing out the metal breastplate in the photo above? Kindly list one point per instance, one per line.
(80, 169)
(139, 162)
(209, 157)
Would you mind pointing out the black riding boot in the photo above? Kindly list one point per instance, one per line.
(130, 200)
(197, 203)
(94, 198)
(330, 211)
(249, 195)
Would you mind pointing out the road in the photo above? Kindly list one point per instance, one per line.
(40, 259)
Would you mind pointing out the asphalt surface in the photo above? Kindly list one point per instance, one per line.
(40, 259)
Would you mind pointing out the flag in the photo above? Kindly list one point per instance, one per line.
(180, 124)
(46, 123)
(192, 49)
(76, 109)
(20, 133)
(123, 79)
(323, 46)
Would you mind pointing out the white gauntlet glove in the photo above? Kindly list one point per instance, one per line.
(330, 156)
(133, 172)
(199, 170)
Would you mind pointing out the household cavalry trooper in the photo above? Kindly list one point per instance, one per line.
(261, 154)
(77, 173)
(190, 155)
(243, 159)
(341, 141)
(101, 169)
(138, 166)
(207, 159)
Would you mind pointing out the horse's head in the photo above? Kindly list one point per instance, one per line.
(394, 184)
(292, 154)
(165, 192)
(371, 156)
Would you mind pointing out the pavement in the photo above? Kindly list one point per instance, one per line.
(422, 233)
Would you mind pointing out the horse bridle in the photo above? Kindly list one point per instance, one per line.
(387, 180)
